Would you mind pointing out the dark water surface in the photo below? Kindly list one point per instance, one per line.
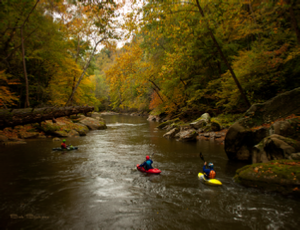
(97, 186)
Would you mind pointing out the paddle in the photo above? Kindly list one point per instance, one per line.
(152, 155)
(201, 156)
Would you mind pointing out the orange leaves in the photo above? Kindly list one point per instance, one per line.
(6, 96)
(155, 101)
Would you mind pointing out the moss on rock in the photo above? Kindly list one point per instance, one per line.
(166, 123)
(278, 176)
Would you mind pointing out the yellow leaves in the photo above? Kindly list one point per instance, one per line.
(6, 96)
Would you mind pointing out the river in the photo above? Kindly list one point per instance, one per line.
(98, 186)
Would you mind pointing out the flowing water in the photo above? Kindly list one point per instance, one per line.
(98, 186)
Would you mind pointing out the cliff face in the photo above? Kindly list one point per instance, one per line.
(279, 115)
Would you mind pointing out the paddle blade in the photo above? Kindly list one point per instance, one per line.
(201, 156)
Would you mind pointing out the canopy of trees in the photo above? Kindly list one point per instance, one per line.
(185, 56)
(207, 55)
(47, 50)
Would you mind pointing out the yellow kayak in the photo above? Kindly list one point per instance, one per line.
(208, 181)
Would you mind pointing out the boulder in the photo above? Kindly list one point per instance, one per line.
(167, 123)
(73, 133)
(154, 118)
(242, 136)
(49, 127)
(56, 139)
(28, 135)
(206, 117)
(171, 133)
(239, 143)
(187, 135)
(215, 127)
(198, 124)
(274, 147)
(287, 128)
(295, 156)
(60, 133)
(92, 123)
(277, 176)
(81, 129)
(3, 138)
(172, 126)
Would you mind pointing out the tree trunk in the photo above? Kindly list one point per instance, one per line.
(27, 104)
(76, 59)
(23, 56)
(294, 20)
(83, 72)
(29, 115)
(224, 58)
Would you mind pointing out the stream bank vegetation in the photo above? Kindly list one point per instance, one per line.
(183, 59)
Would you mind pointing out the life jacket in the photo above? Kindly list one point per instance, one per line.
(212, 174)
(63, 145)
(148, 165)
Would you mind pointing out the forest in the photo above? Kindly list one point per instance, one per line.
(177, 57)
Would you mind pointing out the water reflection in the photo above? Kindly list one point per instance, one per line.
(97, 186)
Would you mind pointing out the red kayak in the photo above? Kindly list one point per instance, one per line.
(153, 171)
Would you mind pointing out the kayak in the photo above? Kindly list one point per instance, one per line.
(152, 171)
(208, 181)
(68, 148)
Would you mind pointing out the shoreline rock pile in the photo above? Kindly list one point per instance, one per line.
(74, 126)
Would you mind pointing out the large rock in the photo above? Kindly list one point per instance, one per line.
(60, 133)
(277, 176)
(92, 123)
(81, 129)
(73, 133)
(287, 128)
(49, 127)
(243, 136)
(3, 138)
(171, 133)
(295, 156)
(155, 118)
(167, 123)
(198, 124)
(28, 135)
(215, 127)
(187, 135)
(206, 117)
(274, 147)
(239, 142)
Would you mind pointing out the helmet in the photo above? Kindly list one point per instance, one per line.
(64, 140)
(147, 157)
(211, 165)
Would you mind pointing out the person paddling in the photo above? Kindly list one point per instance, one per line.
(210, 172)
(63, 144)
(147, 164)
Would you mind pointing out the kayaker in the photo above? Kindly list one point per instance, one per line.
(63, 144)
(210, 172)
(147, 164)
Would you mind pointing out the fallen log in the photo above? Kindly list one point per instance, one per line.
(14, 117)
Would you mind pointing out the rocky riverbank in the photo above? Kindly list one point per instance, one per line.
(73, 126)
(203, 128)
(267, 136)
